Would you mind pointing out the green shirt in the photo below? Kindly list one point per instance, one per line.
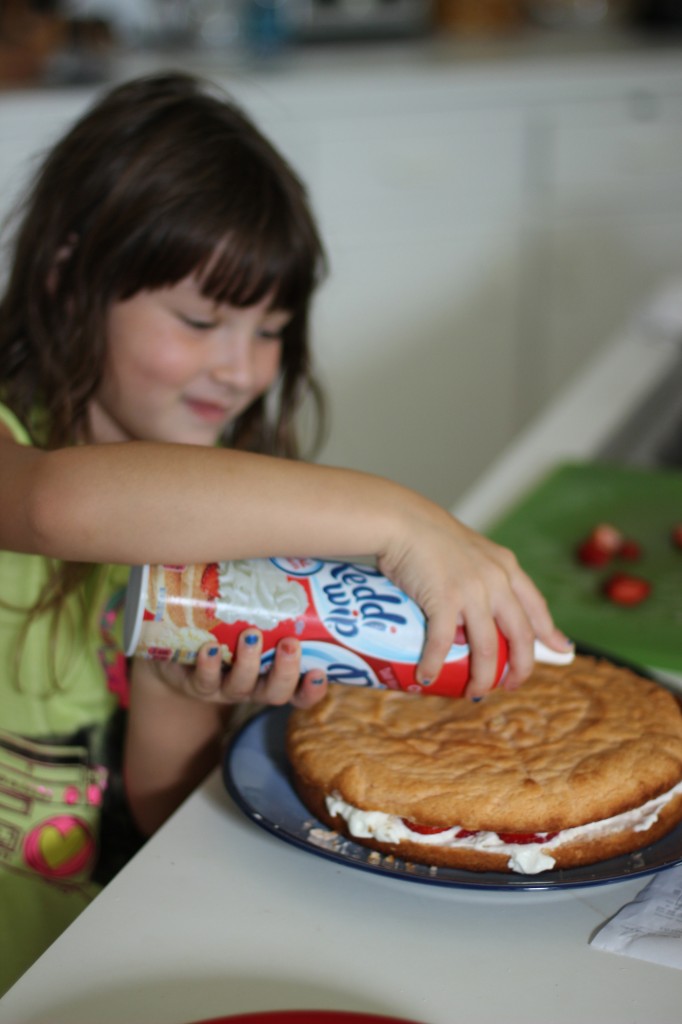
(59, 691)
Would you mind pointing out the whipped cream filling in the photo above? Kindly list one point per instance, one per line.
(524, 858)
(259, 593)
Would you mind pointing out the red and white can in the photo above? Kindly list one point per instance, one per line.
(352, 622)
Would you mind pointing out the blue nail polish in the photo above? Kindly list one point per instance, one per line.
(212, 651)
(251, 639)
(317, 681)
(475, 700)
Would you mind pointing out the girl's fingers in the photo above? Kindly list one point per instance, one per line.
(440, 635)
(282, 680)
(496, 595)
(311, 689)
(483, 640)
(505, 610)
(242, 679)
(244, 682)
(524, 620)
(539, 614)
(516, 628)
(204, 681)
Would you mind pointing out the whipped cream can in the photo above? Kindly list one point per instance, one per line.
(352, 622)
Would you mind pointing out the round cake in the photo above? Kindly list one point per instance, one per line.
(580, 764)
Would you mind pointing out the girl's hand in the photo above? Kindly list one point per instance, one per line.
(209, 680)
(460, 578)
(176, 721)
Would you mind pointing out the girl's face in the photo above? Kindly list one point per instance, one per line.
(180, 367)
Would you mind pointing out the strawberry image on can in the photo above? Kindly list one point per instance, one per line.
(352, 622)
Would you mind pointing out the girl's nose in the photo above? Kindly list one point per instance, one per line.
(233, 363)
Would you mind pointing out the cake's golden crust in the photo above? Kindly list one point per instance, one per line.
(568, 855)
(574, 744)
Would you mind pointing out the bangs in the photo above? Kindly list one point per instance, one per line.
(245, 268)
(242, 243)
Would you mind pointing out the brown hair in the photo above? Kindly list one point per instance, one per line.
(163, 177)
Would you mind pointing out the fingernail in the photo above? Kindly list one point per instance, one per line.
(424, 682)
(476, 699)
(289, 646)
(212, 651)
(317, 680)
(251, 639)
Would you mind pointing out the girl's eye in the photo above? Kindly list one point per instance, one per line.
(273, 329)
(197, 324)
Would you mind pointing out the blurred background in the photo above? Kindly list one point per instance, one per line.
(499, 185)
(48, 40)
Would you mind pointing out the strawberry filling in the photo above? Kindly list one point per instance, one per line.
(424, 830)
(210, 584)
(512, 838)
(523, 838)
(209, 581)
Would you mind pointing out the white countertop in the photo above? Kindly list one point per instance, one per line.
(216, 916)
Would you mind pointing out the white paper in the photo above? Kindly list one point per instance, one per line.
(649, 928)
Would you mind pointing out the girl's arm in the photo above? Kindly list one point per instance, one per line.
(172, 742)
(173, 739)
(203, 503)
(144, 502)
(161, 503)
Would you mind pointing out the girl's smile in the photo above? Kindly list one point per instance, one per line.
(180, 367)
(212, 412)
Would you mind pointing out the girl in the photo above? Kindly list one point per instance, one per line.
(153, 353)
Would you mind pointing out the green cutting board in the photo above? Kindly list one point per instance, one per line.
(546, 526)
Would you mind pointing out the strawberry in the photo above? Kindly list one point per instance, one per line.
(520, 838)
(607, 537)
(433, 830)
(523, 838)
(676, 535)
(630, 550)
(209, 581)
(590, 554)
(600, 545)
(425, 830)
(624, 589)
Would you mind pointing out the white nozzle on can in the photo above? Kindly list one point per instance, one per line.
(547, 656)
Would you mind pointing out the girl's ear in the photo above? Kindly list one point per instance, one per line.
(62, 257)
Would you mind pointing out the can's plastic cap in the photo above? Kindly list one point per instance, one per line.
(133, 612)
